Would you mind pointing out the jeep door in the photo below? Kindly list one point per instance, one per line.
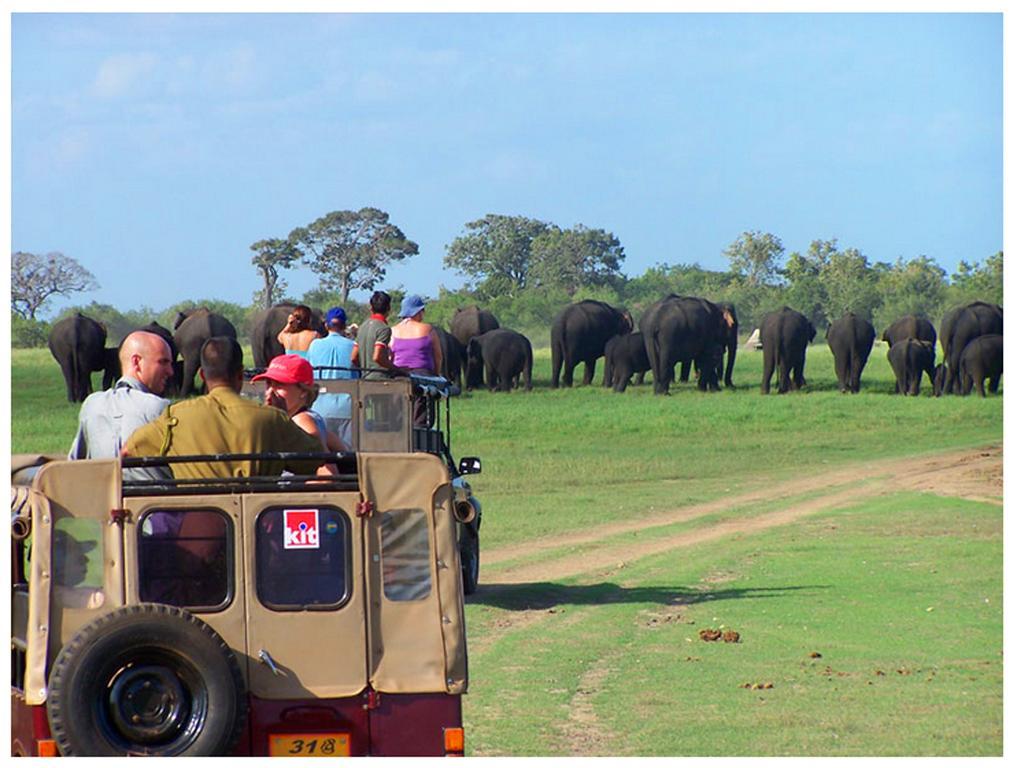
(306, 636)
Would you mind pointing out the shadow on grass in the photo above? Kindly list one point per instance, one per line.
(545, 594)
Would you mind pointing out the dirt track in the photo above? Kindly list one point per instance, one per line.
(971, 474)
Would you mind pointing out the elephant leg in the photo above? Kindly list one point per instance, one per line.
(798, 372)
(492, 377)
(622, 374)
(556, 363)
(84, 379)
(506, 381)
(683, 376)
(994, 383)
(590, 370)
(768, 365)
(856, 373)
(784, 369)
(840, 364)
(570, 366)
(641, 378)
(72, 390)
(979, 381)
(191, 365)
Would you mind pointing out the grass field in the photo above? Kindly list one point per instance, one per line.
(870, 619)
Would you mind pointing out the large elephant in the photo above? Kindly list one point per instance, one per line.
(579, 334)
(503, 355)
(680, 329)
(982, 359)
(910, 358)
(265, 327)
(190, 331)
(468, 322)
(850, 339)
(453, 356)
(624, 356)
(730, 346)
(785, 335)
(959, 327)
(78, 343)
(910, 327)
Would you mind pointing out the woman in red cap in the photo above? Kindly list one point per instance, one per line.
(289, 386)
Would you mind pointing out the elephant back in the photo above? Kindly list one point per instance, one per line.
(586, 327)
(198, 327)
(468, 322)
(910, 327)
(82, 338)
(783, 325)
(850, 331)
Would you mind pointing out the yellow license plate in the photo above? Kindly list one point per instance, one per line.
(309, 745)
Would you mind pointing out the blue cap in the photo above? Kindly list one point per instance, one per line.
(411, 305)
(336, 313)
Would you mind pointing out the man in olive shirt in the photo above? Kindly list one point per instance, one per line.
(224, 422)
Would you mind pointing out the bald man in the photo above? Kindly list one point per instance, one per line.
(108, 418)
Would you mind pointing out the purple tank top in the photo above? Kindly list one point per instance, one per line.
(413, 353)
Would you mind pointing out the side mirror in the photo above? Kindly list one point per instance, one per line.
(469, 465)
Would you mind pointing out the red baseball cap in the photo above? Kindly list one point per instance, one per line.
(288, 369)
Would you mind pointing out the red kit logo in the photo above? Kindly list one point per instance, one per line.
(300, 529)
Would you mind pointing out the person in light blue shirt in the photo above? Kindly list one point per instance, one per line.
(334, 351)
(108, 418)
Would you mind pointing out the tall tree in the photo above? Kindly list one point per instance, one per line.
(35, 279)
(351, 250)
(850, 284)
(573, 258)
(914, 287)
(979, 281)
(805, 291)
(756, 256)
(269, 257)
(497, 252)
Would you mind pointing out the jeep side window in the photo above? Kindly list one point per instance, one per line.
(405, 554)
(184, 558)
(78, 563)
(303, 558)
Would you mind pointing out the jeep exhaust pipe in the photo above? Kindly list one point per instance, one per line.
(21, 527)
(466, 510)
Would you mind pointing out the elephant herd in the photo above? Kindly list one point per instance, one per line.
(685, 330)
(78, 343)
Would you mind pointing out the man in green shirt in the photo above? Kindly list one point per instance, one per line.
(374, 338)
(224, 422)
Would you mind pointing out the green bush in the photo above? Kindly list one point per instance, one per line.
(26, 334)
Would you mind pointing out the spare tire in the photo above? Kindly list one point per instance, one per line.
(146, 679)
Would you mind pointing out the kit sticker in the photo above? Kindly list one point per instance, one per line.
(300, 529)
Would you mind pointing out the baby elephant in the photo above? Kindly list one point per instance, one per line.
(910, 358)
(982, 359)
(503, 355)
(625, 355)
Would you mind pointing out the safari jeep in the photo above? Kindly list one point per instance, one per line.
(292, 616)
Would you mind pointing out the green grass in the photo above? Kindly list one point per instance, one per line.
(601, 665)
(907, 619)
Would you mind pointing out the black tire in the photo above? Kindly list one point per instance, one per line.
(469, 554)
(146, 679)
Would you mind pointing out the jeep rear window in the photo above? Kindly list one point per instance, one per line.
(185, 558)
(405, 554)
(303, 558)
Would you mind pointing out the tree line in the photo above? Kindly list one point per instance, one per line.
(525, 270)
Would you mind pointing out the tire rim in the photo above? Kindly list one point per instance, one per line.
(157, 704)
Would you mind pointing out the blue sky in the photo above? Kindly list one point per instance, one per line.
(157, 148)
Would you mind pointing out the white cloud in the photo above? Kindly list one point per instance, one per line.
(119, 75)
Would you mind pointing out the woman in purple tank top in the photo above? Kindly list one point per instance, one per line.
(415, 347)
